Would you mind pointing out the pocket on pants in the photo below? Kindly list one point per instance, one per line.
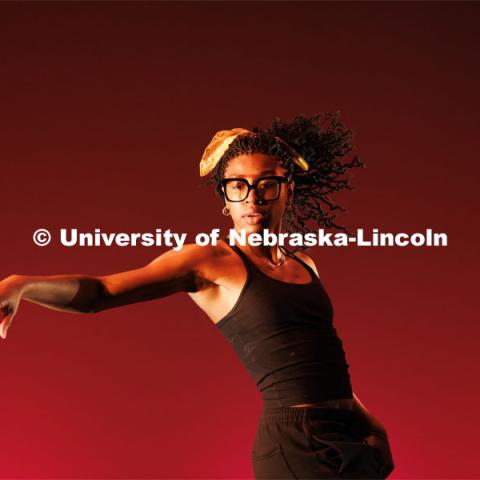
(328, 453)
(271, 464)
(348, 456)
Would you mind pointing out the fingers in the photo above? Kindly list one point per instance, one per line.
(5, 319)
(4, 326)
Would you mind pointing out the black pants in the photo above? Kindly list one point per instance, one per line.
(311, 443)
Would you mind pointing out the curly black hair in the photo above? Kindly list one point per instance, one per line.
(322, 140)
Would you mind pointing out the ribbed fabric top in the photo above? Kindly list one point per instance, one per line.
(284, 335)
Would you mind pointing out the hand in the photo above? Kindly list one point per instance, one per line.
(382, 447)
(10, 295)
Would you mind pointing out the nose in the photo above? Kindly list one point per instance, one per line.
(252, 196)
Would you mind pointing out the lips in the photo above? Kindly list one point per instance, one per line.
(254, 216)
(254, 213)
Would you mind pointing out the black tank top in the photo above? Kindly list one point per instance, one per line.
(284, 335)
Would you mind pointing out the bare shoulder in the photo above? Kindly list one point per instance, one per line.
(303, 256)
(206, 263)
(192, 251)
(193, 254)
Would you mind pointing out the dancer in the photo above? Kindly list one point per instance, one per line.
(268, 301)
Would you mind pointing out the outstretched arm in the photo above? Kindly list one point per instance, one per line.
(171, 272)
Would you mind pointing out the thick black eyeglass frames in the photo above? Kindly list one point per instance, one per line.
(266, 188)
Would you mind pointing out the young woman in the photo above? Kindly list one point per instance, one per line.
(268, 301)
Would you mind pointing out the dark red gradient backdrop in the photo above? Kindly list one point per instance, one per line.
(106, 109)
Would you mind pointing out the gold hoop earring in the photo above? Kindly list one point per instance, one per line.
(226, 211)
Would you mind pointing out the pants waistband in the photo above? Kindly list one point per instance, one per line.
(279, 414)
(296, 413)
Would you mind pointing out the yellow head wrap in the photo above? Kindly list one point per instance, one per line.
(222, 140)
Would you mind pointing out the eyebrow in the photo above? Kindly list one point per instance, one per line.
(234, 174)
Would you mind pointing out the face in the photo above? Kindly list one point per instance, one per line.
(254, 213)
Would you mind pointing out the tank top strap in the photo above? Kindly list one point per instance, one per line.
(298, 259)
(252, 269)
(246, 261)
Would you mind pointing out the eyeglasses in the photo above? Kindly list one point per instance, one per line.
(266, 188)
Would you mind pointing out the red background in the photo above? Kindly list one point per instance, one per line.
(106, 109)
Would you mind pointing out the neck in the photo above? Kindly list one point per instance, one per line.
(272, 253)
